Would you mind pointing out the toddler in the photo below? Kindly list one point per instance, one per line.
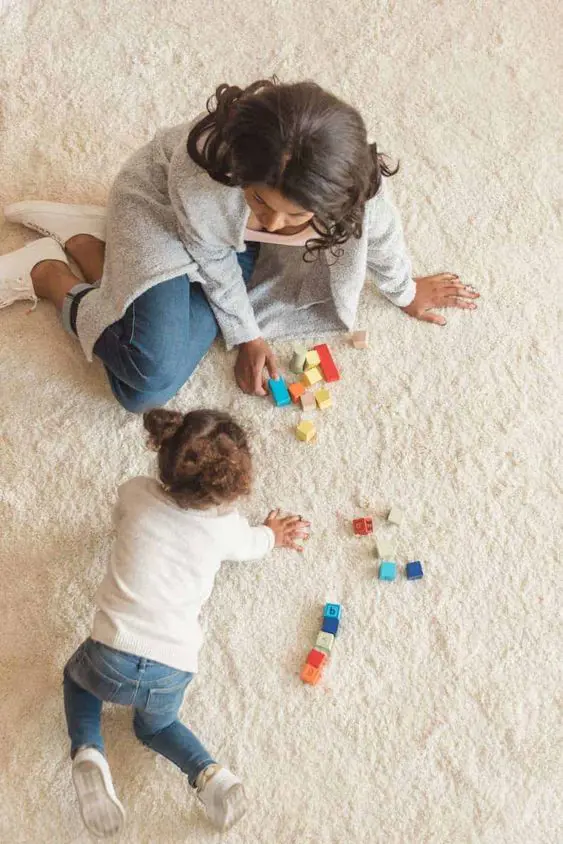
(172, 535)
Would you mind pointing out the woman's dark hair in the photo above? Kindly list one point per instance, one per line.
(300, 140)
(203, 456)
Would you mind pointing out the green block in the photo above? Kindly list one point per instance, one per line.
(298, 359)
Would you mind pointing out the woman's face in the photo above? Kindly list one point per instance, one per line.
(274, 212)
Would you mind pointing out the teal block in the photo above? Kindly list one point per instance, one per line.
(279, 392)
(387, 571)
(332, 611)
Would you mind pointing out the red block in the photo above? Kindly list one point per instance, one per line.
(363, 526)
(327, 364)
(316, 658)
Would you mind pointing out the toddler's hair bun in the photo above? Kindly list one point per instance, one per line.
(161, 425)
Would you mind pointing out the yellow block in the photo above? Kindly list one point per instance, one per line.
(305, 431)
(324, 399)
(312, 376)
(311, 359)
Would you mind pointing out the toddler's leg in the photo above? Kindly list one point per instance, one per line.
(101, 811)
(220, 791)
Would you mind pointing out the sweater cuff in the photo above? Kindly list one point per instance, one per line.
(405, 297)
(235, 337)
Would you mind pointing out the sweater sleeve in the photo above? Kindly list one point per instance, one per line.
(249, 543)
(387, 254)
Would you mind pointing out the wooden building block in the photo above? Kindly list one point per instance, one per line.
(385, 548)
(305, 431)
(316, 658)
(395, 516)
(330, 625)
(308, 401)
(324, 642)
(311, 359)
(323, 399)
(360, 339)
(296, 390)
(332, 611)
(310, 674)
(414, 570)
(312, 376)
(387, 571)
(363, 526)
(328, 366)
(279, 392)
(298, 360)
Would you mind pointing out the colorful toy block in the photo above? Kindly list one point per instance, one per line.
(395, 516)
(328, 366)
(332, 611)
(310, 674)
(360, 339)
(363, 526)
(323, 399)
(312, 359)
(296, 390)
(316, 658)
(305, 431)
(298, 360)
(308, 401)
(312, 376)
(324, 642)
(385, 548)
(330, 625)
(387, 571)
(414, 570)
(279, 392)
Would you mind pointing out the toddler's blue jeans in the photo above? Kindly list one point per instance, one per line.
(96, 673)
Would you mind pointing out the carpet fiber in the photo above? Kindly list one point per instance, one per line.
(437, 721)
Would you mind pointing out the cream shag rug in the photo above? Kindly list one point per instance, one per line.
(438, 719)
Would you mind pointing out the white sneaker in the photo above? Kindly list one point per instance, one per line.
(223, 796)
(16, 267)
(55, 219)
(101, 811)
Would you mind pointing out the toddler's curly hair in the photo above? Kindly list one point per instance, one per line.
(203, 456)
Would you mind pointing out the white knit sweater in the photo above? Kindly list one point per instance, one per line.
(162, 570)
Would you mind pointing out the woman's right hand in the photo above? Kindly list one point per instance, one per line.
(249, 368)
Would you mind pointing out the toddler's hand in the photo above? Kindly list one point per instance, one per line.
(287, 529)
(439, 291)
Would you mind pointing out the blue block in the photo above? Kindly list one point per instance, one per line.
(330, 625)
(414, 570)
(387, 571)
(332, 611)
(279, 392)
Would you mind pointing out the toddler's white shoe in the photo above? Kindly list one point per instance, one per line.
(222, 795)
(101, 811)
(16, 267)
(55, 219)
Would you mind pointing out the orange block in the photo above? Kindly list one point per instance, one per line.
(296, 390)
(310, 674)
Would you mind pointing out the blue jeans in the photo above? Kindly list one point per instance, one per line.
(154, 348)
(96, 673)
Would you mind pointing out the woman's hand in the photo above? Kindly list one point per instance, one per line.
(252, 358)
(439, 291)
(288, 529)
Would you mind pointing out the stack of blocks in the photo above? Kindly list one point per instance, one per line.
(318, 657)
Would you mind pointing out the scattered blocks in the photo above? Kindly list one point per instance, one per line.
(312, 376)
(323, 399)
(324, 642)
(296, 390)
(330, 625)
(395, 516)
(414, 570)
(279, 392)
(363, 526)
(360, 339)
(328, 366)
(316, 658)
(298, 360)
(387, 571)
(310, 674)
(332, 611)
(385, 548)
(305, 431)
(312, 359)
(308, 401)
